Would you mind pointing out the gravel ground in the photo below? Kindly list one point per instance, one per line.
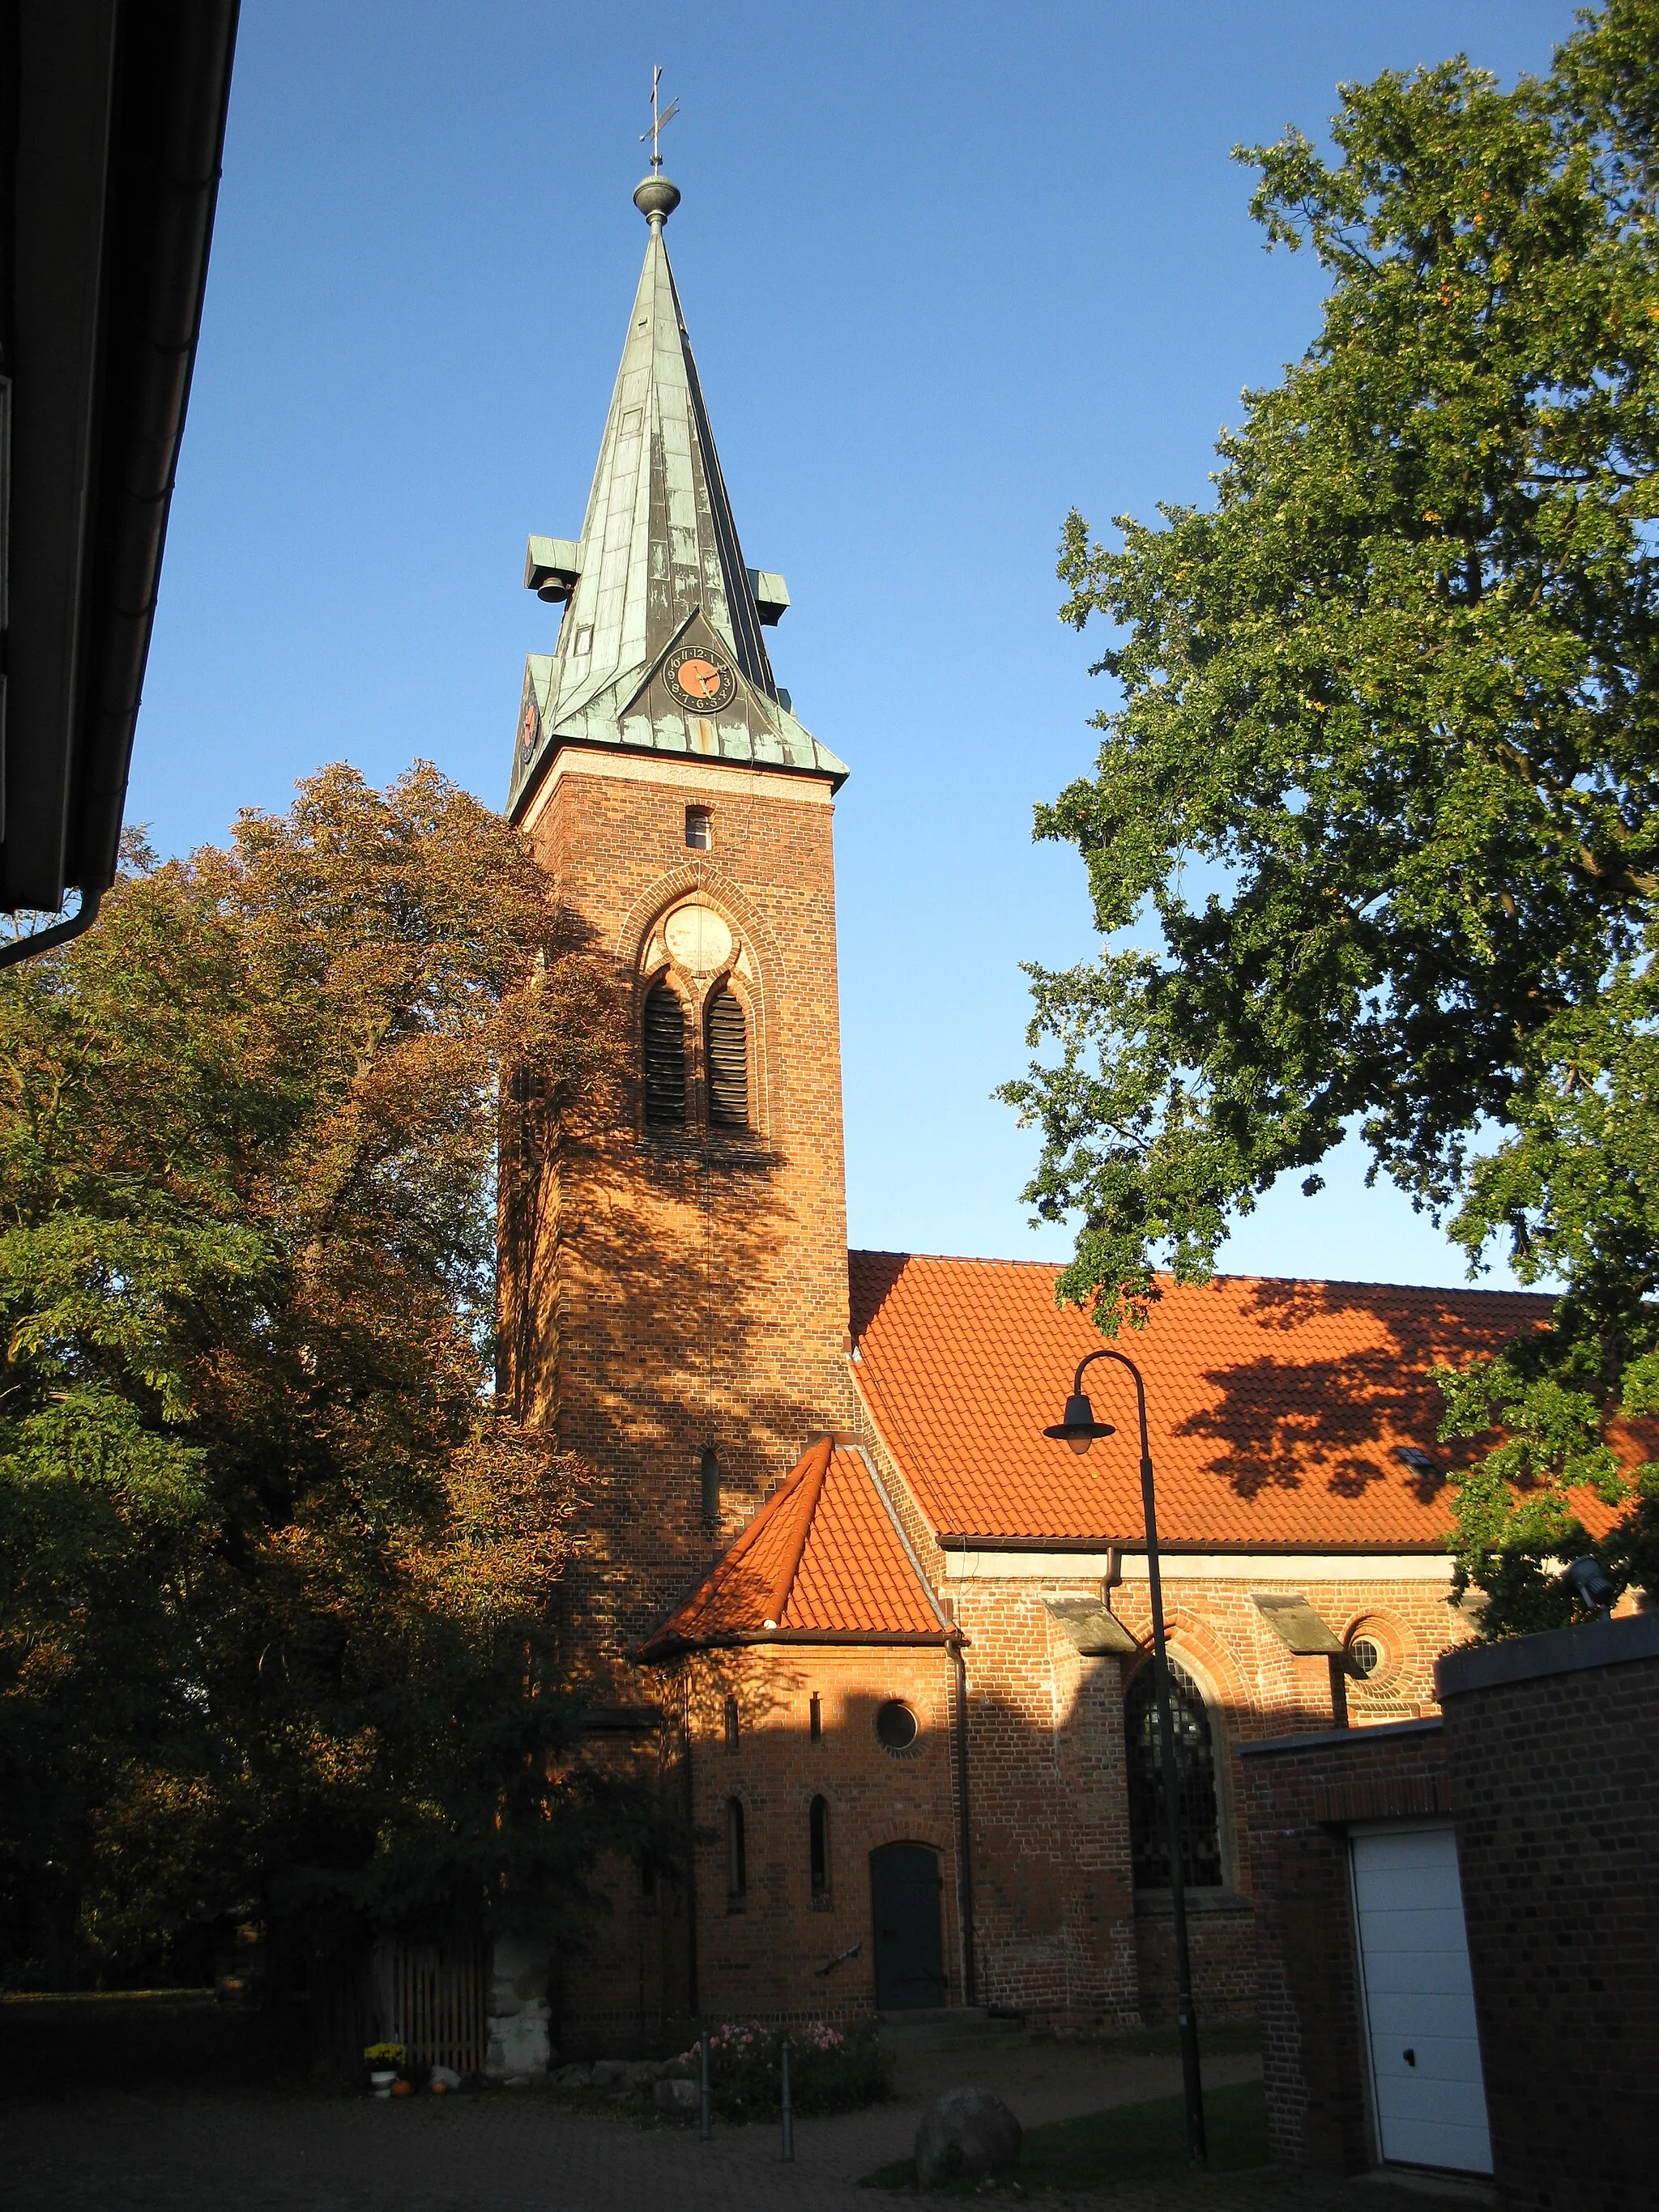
(524, 2150)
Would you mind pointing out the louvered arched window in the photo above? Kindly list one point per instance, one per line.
(664, 1043)
(728, 1036)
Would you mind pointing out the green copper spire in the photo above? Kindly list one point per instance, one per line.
(657, 579)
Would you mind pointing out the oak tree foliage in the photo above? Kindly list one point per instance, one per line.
(276, 1577)
(1384, 770)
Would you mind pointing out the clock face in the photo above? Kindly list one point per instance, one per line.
(528, 724)
(699, 677)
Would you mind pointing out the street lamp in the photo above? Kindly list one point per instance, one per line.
(1078, 1428)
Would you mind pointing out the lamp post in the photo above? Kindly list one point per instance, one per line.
(1078, 1428)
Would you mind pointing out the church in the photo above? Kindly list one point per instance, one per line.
(880, 1641)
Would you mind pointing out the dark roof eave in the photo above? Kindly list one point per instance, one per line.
(1180, 1547)
(101, 441)
(675, 1647)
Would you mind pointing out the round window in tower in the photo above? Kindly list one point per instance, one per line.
(1365, 1657)
(896, 1726)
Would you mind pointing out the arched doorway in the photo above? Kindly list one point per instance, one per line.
(1200, 1826)
(905, 1889)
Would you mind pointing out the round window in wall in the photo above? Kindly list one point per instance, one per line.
(1371, 1655)
(897, 1727)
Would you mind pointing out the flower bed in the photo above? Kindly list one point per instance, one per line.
(832, 2070)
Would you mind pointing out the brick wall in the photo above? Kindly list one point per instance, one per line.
(672, 1289)
(1050, 1812)
(691, 1286)
(1554, 1778)
(1220, 1950)
(764, 1955)
(1300, 1792)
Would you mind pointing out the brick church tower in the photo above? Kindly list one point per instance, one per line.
(681, 1285)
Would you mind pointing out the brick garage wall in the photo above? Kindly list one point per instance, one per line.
(1300, 1793)
(1552, 1754)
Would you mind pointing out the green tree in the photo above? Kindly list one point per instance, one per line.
(1384, 770)
(276, 1577)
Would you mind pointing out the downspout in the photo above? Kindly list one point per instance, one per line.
(690, 1846)
(964, 1840)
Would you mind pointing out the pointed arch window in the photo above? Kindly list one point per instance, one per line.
(1195, 1775)
(727, 1043)
(663, 1056)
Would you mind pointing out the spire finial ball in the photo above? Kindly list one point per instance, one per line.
(656, 198)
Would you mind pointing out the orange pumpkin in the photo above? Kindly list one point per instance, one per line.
(402, 2089)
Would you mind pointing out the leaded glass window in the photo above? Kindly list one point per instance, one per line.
(1200, 1832)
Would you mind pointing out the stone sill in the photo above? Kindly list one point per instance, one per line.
(1157, 1904)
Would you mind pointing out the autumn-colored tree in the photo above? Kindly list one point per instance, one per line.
(275, 1573)
(1384, 771)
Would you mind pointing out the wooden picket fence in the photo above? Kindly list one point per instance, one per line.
(439, 2003)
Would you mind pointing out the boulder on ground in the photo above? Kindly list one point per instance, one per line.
(610, 2073)
(964, 2135)
(677, 2096)
(642, 2074)
(574, 2077)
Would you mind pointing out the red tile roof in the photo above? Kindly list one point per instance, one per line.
(1276, 1408)
(821, 1561)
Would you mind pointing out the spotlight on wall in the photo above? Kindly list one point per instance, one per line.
(1589, 1581)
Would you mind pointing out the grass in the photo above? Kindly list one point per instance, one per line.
(1130, 2142)
(1216, 2038)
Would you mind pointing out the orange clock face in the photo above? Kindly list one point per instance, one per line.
(700, 677)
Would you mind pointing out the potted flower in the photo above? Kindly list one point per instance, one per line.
(384, 2060)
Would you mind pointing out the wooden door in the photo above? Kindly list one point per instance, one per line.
(905, 1893)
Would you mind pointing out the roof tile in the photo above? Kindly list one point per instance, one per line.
(822, 1557)
(1276, 1408)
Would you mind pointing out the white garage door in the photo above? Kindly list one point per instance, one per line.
(1425, 2060)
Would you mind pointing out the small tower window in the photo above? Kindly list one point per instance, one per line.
(815, 1716)
(663, 1056)
(818, 1848)
(709, 1480)
(699, 829)
(728, 1061)
(731, 1724)
(737, 1861)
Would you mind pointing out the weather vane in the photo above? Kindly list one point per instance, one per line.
(658, 121)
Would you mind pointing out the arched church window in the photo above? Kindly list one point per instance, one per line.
(1200, 1828)
(728, 1060)
(737, 1863)
(817, 1826)
(664, 1054)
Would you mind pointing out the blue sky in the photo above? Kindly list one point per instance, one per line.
(948, 272)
